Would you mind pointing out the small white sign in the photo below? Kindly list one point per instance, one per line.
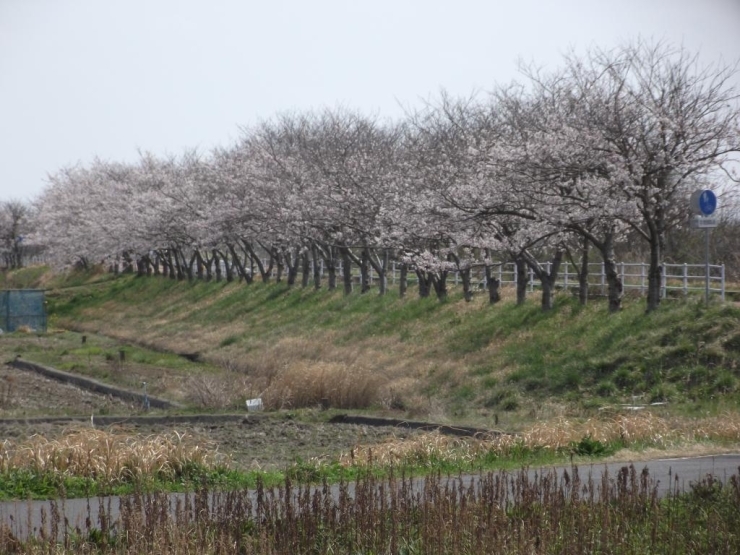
(254, 404)
(704, 222)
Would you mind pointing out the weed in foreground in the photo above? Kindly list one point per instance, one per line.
(502, 512)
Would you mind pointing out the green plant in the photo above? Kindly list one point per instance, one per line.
(590, 447)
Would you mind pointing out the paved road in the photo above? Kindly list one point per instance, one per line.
(670, 474)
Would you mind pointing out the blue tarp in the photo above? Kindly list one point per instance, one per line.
(22, 307)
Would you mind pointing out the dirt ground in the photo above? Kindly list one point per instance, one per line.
(266, 443)
(25, 394)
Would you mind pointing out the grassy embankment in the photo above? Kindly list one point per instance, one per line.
(451, 360)
(543, 374)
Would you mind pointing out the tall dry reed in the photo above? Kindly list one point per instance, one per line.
(514, 513)
(108, 457)
(626, 430)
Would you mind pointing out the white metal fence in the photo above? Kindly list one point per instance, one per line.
(676, 277)
(683, 278)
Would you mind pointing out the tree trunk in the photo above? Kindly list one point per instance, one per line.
(228, 266)
(494, 285)
(583, 275)
(383, 275)
(264, 271)
(546, 277)
(440, 284)
(240, 268)
(328, 254)
(403, 280)
(465, 276)
(179, 264)
(292, 260)
(199, 265)
(174, 270)
(656, 225)
(614, 283)
(126, 264)
(207, 261)
(424, 284)
(380, 265)
(279, 265)
(162, 259)
(216, 264)
(316, 267)
(346, 271)
(189, 267)
(521, 280)
(331, 270)
(364, 271)
(466, 283)
(655, 276)
(305, 269)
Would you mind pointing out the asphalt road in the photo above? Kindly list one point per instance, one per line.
(26, 518)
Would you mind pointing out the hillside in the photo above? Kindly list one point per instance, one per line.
(452, 360)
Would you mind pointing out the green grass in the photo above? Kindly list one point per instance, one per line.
(682, 353)
(25, 484)
(24, 278)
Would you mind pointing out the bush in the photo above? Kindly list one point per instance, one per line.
(606, 388)
(590, 447)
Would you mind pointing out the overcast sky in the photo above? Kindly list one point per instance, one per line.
(85, 78)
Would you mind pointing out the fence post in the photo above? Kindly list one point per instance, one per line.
(393, 274)
(722, 274)
(501, 273)
(531, 280)
(663, 283)
(603, 279)
(565, 276)
(685, 279)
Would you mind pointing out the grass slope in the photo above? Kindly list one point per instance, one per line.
(298, 346)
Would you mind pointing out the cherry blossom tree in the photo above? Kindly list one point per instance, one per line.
(16, 224)
(654, 119)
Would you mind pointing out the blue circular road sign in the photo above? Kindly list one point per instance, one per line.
(703, 202)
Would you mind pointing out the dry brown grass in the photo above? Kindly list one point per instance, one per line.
(297, 372)
(629, 430)
(301, 384)
(330, 384)
(109, 457)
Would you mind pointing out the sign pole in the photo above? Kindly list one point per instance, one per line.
(706, 266)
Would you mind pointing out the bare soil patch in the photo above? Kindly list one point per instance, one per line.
(25, 394)
(266, 443)
(271, 443)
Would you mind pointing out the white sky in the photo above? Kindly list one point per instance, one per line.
(80, 78)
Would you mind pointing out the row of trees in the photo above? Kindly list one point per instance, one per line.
(605, 148)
